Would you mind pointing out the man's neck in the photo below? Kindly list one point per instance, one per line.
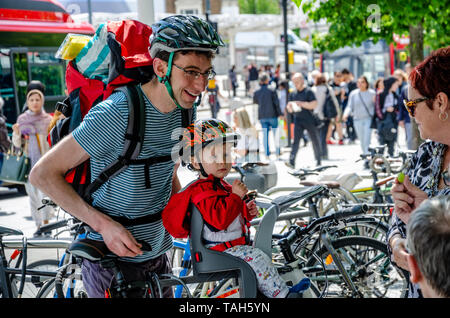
(157, 94)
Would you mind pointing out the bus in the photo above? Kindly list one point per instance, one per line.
(30, 33)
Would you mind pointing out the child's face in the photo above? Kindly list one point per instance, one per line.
(216, 159)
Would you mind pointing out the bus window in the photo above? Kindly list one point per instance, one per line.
(21, 76)
(7, 88)
(49, 70)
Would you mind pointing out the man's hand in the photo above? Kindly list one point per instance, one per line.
(119, 240)
(407, 197)
(239, 188)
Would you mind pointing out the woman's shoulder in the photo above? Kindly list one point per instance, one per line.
(427, 152)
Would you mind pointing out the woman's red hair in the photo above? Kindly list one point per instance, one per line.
(432, 75)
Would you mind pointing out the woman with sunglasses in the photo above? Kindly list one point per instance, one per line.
(427, 175)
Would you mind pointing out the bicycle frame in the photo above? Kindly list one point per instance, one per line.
(186, 263)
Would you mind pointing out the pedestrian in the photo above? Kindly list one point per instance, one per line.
(403, 118)
(427, 173)
(175, 40)
(302, 103)
(268, 112)
(349, 85)
(277, 73)
(386, 105)
(253, 76)
(322, 91)
(5, 141)
(428, 247)
(361, 106)
(233, 79)
(213, 97)
(30, 135)
(247, 147)
(226, 209)
(336, 123)
(246, 78)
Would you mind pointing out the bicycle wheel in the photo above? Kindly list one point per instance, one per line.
(34, 283)
(72, 287)
(367, 264)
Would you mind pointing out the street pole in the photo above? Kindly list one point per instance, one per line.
(207, 9)
(286, 65)
(286, 59)
(89, 11)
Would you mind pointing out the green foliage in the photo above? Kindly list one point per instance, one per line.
(352, 22)
(259, 7)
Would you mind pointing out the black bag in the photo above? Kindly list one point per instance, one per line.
(329, 109)
(388, 127)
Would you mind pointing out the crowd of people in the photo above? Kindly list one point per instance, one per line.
(322, 107)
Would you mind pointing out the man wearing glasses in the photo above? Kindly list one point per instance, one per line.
(182, 48)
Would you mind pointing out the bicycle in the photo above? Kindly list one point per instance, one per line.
(340, 253)
(22, 279)
(291, 267)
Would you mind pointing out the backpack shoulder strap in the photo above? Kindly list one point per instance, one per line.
(134, 138)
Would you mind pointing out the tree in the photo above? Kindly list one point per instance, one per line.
(258, 7)
(352, 22)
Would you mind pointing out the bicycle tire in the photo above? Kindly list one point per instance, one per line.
(365, 277)
(48, 290)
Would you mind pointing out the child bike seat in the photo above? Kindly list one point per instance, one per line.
(209, 265)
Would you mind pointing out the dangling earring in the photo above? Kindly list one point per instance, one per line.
(441, 116)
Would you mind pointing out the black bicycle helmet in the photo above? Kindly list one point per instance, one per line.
(183, 32)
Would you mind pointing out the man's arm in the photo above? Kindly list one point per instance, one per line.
(48, 176)
(307, 105)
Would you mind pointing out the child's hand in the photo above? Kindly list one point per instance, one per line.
(252, 209)
(239, 188)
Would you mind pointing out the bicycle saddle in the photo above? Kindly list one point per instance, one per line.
(95, 251)
(329, 184)
(5, 231)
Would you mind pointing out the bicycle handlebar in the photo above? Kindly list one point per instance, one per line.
(53, 226)
(346, 213)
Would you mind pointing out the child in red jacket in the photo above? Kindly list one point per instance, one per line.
(206, 147)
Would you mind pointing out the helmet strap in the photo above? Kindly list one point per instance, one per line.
(202, 171)
(166, 81)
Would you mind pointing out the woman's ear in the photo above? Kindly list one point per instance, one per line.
(443, 102)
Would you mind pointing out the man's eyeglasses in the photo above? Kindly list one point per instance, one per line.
(193, 75)
(412, 104)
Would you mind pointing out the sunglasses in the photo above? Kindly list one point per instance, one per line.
(412, 104)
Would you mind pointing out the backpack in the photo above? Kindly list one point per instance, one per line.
(329, 109)
(115, 59)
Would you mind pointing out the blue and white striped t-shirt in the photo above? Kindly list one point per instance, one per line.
(101, 134)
